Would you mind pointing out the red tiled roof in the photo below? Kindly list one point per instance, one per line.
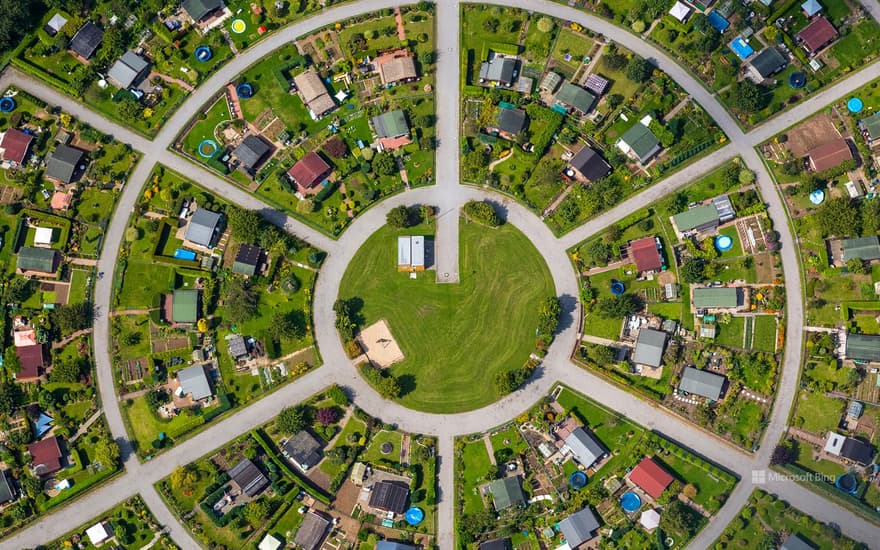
(829, 155)
(309, 171)
(644, 253)
(817, 34)
(650, 477)
(15, 145)
(392, 144)
(31, 358)
(46, 456)
(60, 201)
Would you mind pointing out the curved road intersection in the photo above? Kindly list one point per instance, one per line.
(448, 195)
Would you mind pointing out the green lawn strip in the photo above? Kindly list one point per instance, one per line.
(731, 334)
(806, 461)
(352, 426)
(764, 333)
(709, 487)
(475, 459)
(516, 443)
(373, 451)
(142, 281)
(146, 427)
(132, 324)
(450, 364)
(817, 413)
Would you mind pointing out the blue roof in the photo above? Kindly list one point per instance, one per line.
(811, 7)
(717, 22)
(42, 425)
(741, 48)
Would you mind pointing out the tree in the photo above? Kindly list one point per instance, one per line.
(183, 478)
(638, 26)
(287, 326)
(490, 25)
(256, 511)
(678, 517)
(132, 234)
(746, 176)
(839, 217)
(242, 301)
(10, 394)
(327, 415)
(548, 315)
(338, 396)
(398, 217)
(857, 266)
(389, 387)
(678, 203)
(483, 212)
(19, 17)
(599, 251)
(19, 290)
(639, 69)
(614, 100)
(427, 57)
(107, 453)
(246, 225)
(689, 491)
(384, 164)
(68, 370)
(130, 109)
(291, 419)
(784, 453)
(545, 24)
(305, 206)
(748, 96)
(131, 338)
(618, 306)
(615, 61)
(71, 318)
(692, 270)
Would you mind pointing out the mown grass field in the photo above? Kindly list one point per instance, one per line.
(455, 338)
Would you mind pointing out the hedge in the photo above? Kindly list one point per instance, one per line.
(325, 192)
(303, 484)
(78, 488)
(27, 67)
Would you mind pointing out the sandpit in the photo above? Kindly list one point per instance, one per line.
(379, 345)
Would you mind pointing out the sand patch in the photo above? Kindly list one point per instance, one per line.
(379, 345)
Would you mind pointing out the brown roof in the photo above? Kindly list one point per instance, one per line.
(817, 34)
(396, 68)
(60, 200)
(321, 104)
(645, 255)
(45, 456)
(309, 171)
(15, 145)
(309, 85)
(829, 155)
(31, 358)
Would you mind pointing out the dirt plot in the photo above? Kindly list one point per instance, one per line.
(168, 344)
(750, 234)
(765, 269)
(379, 345)
(811, 133)
(9, 194)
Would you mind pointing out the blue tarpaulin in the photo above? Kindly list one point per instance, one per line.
(717, 22)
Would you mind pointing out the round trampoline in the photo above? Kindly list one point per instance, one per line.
(203, 53)
(245, 90)
(208, 148)
(854, 105)
(847, 483)
(238, 26)
(414, 516)
(7, 105)
(630, 502)
(578, 480)
(723, 243)
(797, 80)
(817, 196)
(617, 288)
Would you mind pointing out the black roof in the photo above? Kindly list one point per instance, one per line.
(590, 164)
(63, 163)
(496, 544)
(87, 39)
(252, 150)
(512, 121)
(390, 496)
(7, 492)
(248, 477)
(312, 530)
(857, 450)
(769, 61)
(304, 449)
(248, 254)
(198, 9)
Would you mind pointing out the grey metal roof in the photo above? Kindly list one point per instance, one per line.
(496, 544)
(86, 40)
(578, 528)
(7, 493)
(794, 542)
(649, 347)
(127, 69)
(202, 227)
(303, 449)
(864, 347)
(63, 163)
(584, 446)
(392, 545)
(252, 150)
(702, 383)
(236, 346)
(498, 70)
(857, 450)
(864, 248)
(248, 477)
(195, 382)
(724, 207)
(506, 493)
(312, 530)
(590, 164)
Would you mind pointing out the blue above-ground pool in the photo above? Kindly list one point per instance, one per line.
(630, 502)
(817, 196)
(717, 22)
(182, 254)
(245, 90)
(741, 48)
(847, 483)
(203, 53)
(414, 516)
(723, 243)
(578, 480)
(617, 288)
(7, 104)
(797, 80)
(854, 105)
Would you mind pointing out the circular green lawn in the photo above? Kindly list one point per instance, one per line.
(455, 337)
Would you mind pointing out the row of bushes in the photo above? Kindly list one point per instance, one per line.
(273, 454)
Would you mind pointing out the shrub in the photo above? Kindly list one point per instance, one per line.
(482, 212)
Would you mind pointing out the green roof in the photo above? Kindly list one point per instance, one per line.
(864, 347)
(506, 493)
(391, 124)
(185, 306)
(696, 217)
(716, 297)
(864, 248)
(872, 124)
(31, 258)
(575, 97)
(641, 140)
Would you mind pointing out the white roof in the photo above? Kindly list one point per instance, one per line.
(269, 543)
(57, 22)
(341, 95)
(834, 443)
(97, 533)
(854, 189)
(43, 236)
(418, 251)
(650, 519)
(680, 11)
(404, 251)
